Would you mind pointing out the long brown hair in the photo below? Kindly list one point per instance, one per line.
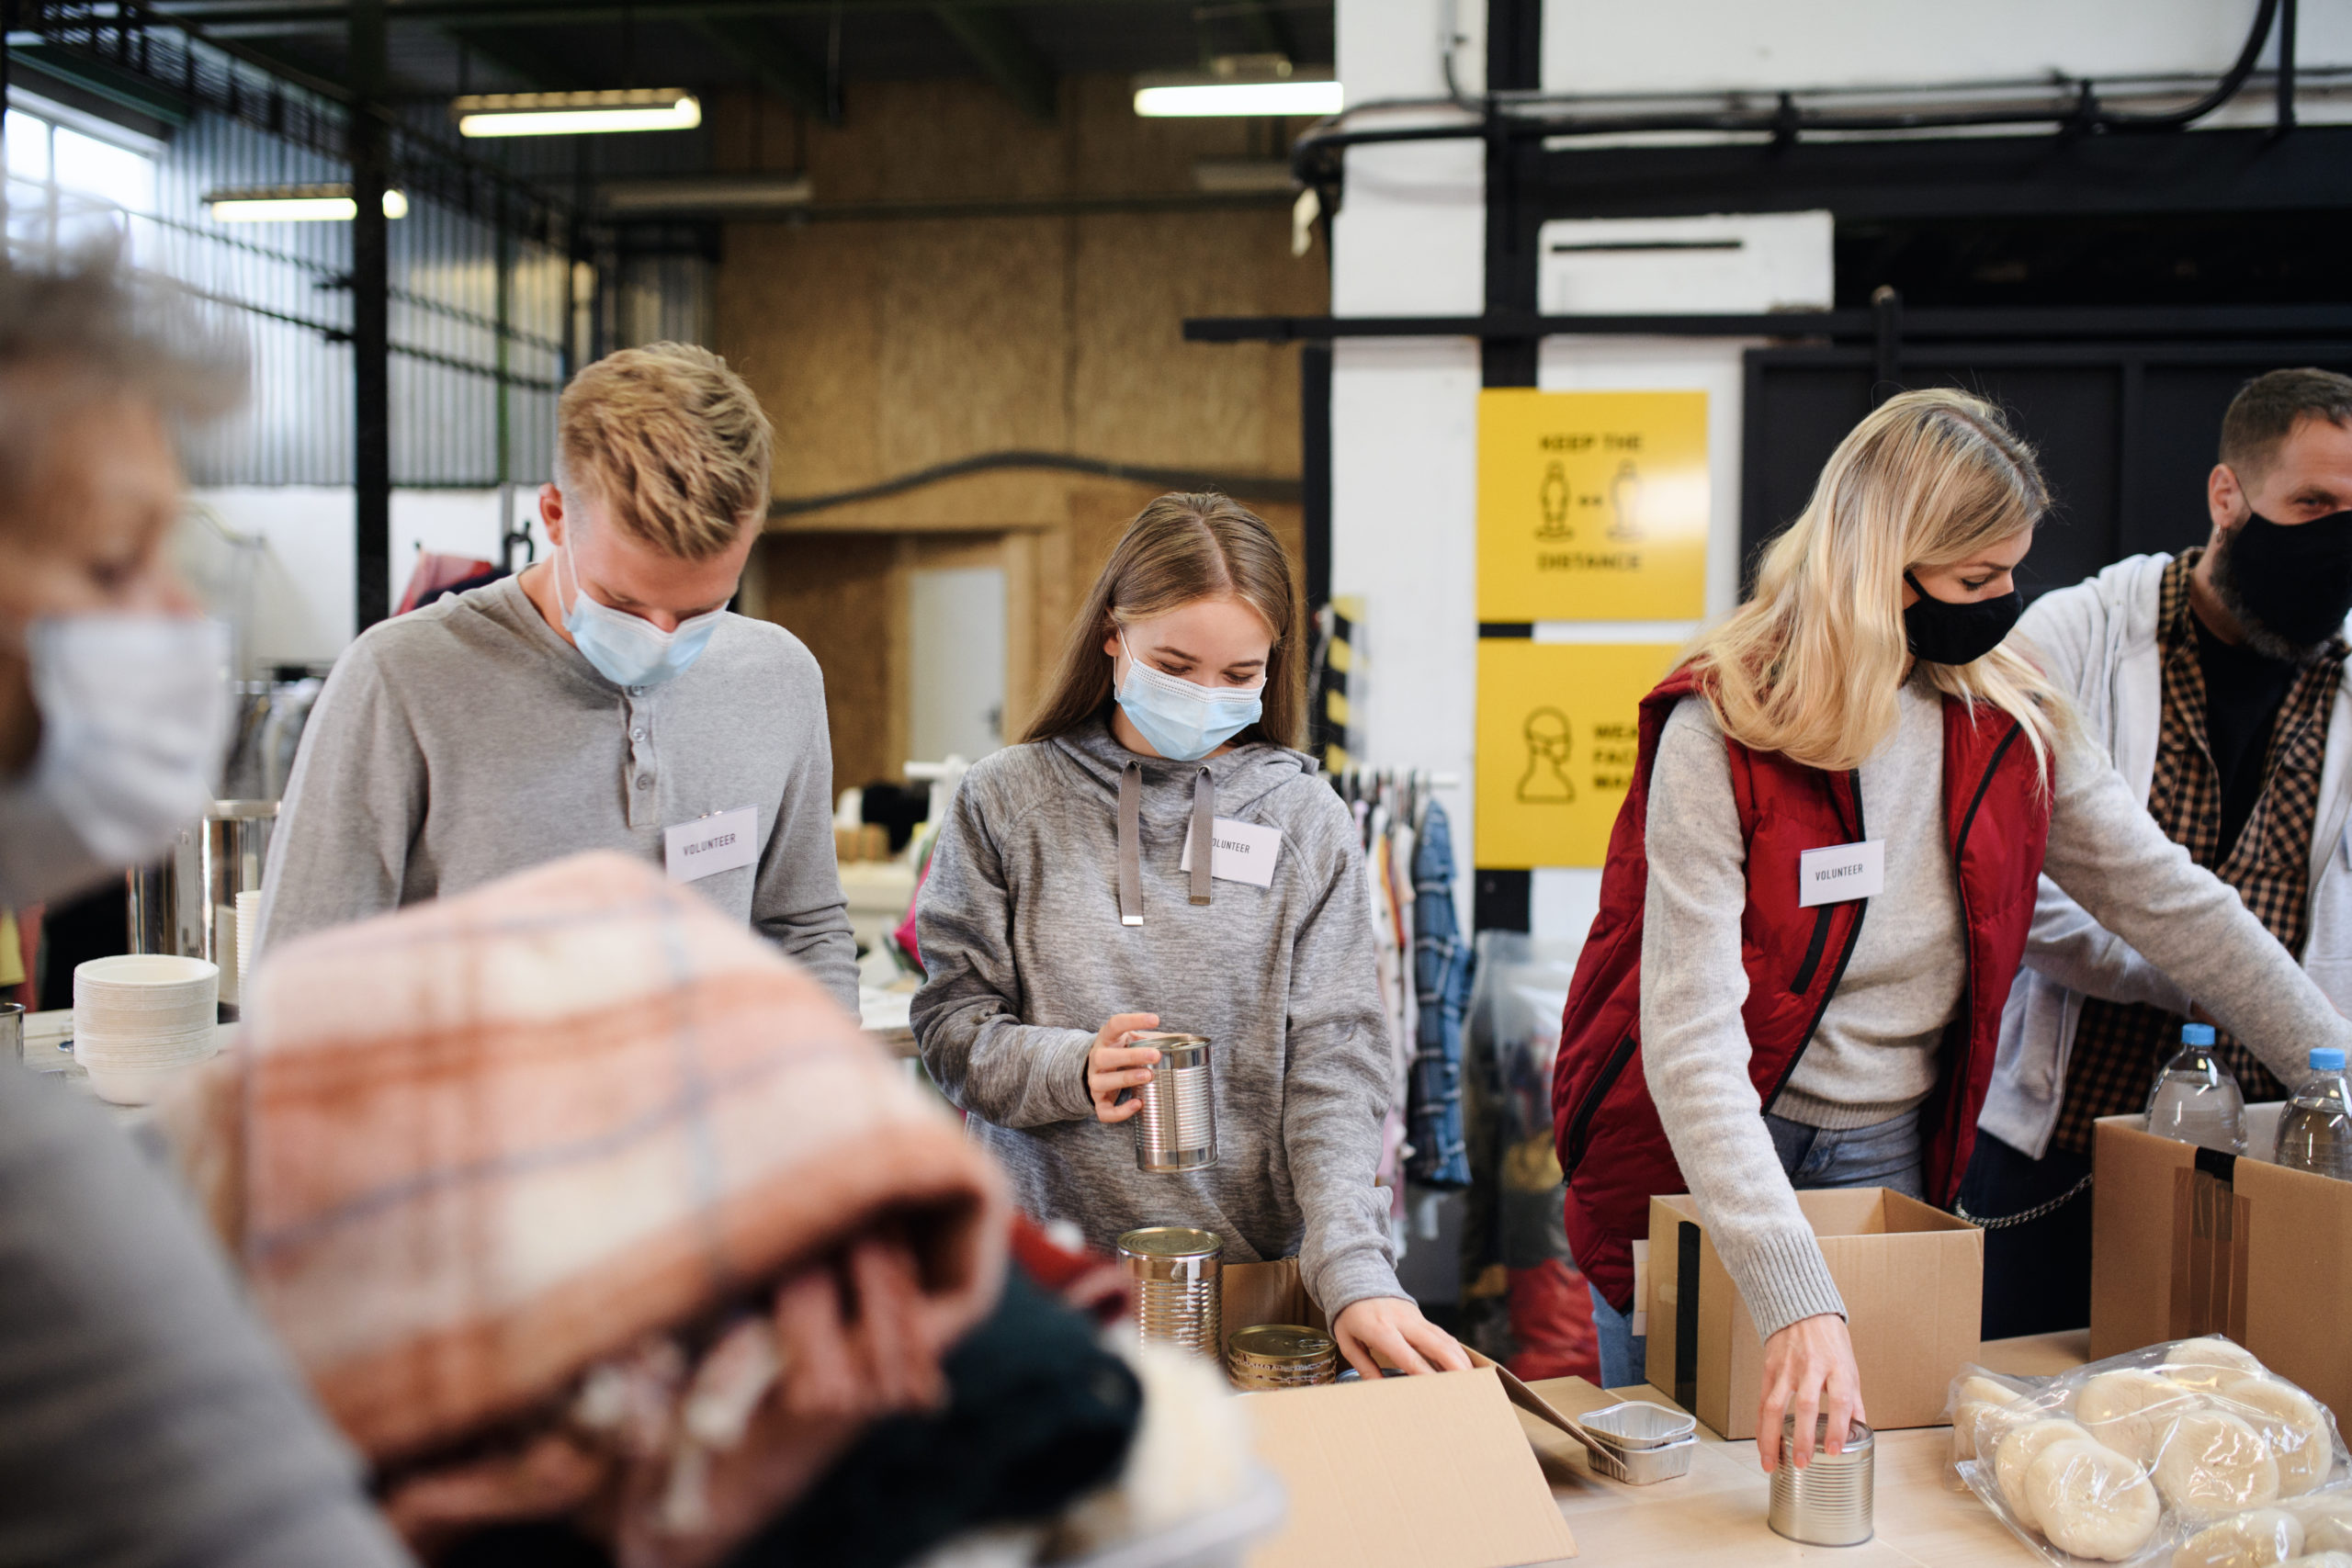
(1178, 549)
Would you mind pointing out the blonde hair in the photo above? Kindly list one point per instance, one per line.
(672, 442)
(1178, 549)
(1811, 666)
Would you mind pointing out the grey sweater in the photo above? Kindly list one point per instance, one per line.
(468, 740)
(1019, 926)
(1873, 1054)
(147, 1417)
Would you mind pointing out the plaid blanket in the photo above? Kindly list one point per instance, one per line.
(467, 1150)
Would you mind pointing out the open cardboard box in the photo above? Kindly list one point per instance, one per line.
(1913, 1278)
(2185, 1241)
(1406, 1472)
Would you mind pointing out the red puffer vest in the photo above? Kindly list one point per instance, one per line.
(1610, 1144)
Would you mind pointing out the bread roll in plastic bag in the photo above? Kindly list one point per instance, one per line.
(2190, 1454)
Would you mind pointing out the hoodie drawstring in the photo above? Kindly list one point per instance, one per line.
(1204, 832)
(1131, 845)
(1131, 840)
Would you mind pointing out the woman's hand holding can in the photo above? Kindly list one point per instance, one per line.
(1114, 1063)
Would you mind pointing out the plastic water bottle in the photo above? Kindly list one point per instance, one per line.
(2315, 1130)
(2196, 1100)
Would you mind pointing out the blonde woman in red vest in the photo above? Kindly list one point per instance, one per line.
(1821, 885)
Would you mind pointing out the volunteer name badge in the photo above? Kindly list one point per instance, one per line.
(708, 845)
(1243, 852)
(1841, 872)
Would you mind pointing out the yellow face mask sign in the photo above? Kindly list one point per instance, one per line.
(1592, 506)
(1557, 736)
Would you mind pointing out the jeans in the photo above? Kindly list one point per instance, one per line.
(1885, 1154)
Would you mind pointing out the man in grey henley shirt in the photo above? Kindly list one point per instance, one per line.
(486, 734)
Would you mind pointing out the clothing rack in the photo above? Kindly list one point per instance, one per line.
(1404, 793)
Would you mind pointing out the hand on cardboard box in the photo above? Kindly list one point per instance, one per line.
(1391, 1331)
(1808, 1369)
(1114, 1063)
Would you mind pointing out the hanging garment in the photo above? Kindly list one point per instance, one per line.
(1442, 963)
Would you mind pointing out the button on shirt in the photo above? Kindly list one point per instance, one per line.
(469, 741)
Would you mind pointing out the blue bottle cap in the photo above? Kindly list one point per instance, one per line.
(2196, 1034)
(2326, 1059)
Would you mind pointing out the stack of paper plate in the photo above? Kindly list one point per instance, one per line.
(141, 1018)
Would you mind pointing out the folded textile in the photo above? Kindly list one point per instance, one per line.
(469, 1149)
(1039, 1414)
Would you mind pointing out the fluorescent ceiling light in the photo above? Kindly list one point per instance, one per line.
(576, 114)
(1294, 96)
(749, 193)
(295, 204)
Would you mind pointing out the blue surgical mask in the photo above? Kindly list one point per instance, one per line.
(627, 650)
(1185, 722)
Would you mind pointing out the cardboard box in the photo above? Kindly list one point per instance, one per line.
(1406, 1472)
(1913, 1278)
(2185, 1242)
(1251, 1293)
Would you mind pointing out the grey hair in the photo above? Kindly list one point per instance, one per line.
(92, 321)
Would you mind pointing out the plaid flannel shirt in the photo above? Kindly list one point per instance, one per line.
(2118, 1048)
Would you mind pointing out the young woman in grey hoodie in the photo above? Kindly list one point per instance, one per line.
(1056, 925)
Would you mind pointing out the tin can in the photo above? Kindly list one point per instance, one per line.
(1176, 1129)
(1828, 1502)
(1178, 1296)
(1281, 1355)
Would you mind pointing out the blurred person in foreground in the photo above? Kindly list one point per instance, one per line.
(145, 1415)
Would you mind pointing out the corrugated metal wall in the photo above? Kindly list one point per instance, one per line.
(472, 310)
(489, 306)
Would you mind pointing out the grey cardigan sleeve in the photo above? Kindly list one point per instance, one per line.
(146, 1417)
(1694, 1043)
(353, 804)
(2113, 858)
(967, 1018)
(1335, 1086)
(797, 903)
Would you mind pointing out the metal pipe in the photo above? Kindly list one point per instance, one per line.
(2069, 323)
(371, 400)
(2285, 121)
(1521, 117)
(1886, 362)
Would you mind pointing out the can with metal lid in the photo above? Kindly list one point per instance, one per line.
(1176, 1129)
(1828, 1502)
(1178, 1287)
(1281, 1355)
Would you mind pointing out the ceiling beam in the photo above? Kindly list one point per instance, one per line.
(534, 65)
(1263, 27)
(1005, 57)
(258, 19)
(782, 69)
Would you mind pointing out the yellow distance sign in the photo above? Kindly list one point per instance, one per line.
(1557, 737)
(1592, 506)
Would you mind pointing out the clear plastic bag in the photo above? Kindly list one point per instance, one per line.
(2130, 1459)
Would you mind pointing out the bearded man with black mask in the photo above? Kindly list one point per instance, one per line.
(2214, 681)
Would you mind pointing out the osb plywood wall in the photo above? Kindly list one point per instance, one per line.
(890, 332)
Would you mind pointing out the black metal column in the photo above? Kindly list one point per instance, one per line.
(1500, 899)
(371, 400)
(1315, 467)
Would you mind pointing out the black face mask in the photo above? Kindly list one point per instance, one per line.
(2294, 581)
(1943, 633)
